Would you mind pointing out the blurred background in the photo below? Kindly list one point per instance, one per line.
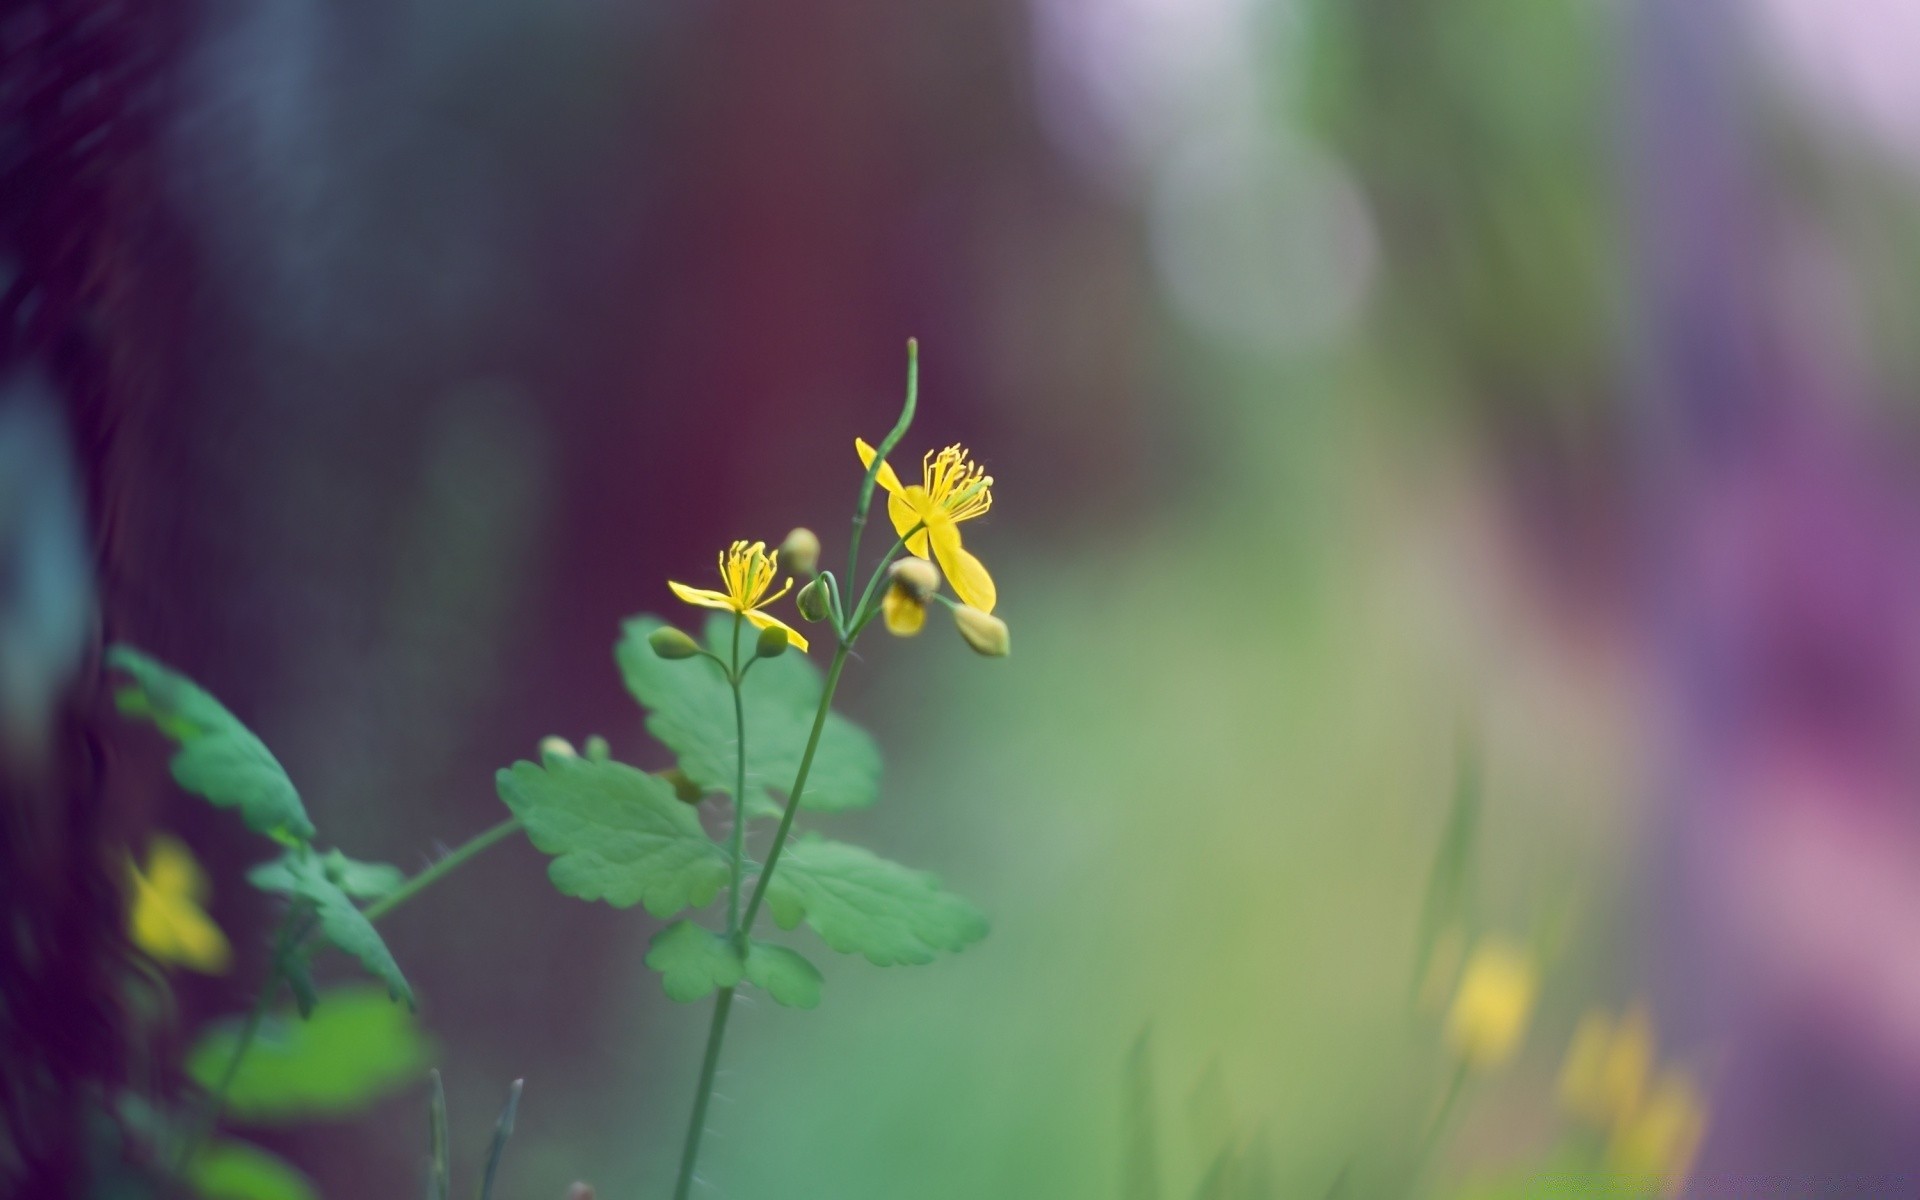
(1370, 386)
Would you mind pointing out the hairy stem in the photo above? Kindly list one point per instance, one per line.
(703, 1092)
(799, 788)
(886, 446)
(737, 850)
(433, 874)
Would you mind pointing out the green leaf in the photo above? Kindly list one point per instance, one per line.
(616, 833)
(859, 903)
(360, 880)
(693, 961)
(356, 1048)
(219, 758)
(304, 875)
(690, 709)
(784, 974)
(225, 1169)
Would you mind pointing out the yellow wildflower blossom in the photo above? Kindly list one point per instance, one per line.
(167, 921)
(1659, 1141)
(1607, 1066)
(748, 571)
(928, 514)
(1493, 1004)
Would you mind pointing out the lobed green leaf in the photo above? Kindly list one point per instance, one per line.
(356, 1048)
(693, 961)
(219, 758)
(616, 833)
(690, 709)
(360, 880)
(784, 974)
(860, 903)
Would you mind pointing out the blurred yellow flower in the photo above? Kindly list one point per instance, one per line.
(748, 571)
(167, 921)
(1658, 1142)
(1491, 1008)
(1654, 1131)
(928, 514)
(1607, 1066)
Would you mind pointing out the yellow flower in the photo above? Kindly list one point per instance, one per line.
(167, 920)
(952, 489)
(1607, 1067)
(748, 571)
(1491, 1009)
(1659, 1141)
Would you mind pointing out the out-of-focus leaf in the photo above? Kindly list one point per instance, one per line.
(860, 903)
(693, 962)
(1449, 886)
(784, 974)
(225, 1169)
(360, 880)
(690, 709)
(356, 1048)
(304, 875)
(219, 758)
(616, 833)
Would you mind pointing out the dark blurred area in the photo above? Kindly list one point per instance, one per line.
(1350, 370)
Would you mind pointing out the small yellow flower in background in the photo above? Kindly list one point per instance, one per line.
(1607, 1066)
(748, 571)
(167, 921)
(1654, 1131)
(1492, 1007)
(1661, 1138)
(911, 582)
(952, 489)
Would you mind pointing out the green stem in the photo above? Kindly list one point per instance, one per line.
(433, 874)
(737, 850)
(887, 444)
(799, 786)
(703, 1092)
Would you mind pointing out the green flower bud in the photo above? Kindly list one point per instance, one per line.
(812, 600)
(801, 551)
(597, 749)
(669, 642)
(556, 747)
(916, 577)
(772, 642)
(986, 633)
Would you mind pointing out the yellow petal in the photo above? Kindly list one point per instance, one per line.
(1492, 1006)
(172, 871)
(884, 476)
(760, 620)
(900, 508)
(903, 614)
(969, 579)
(702, 597)
(199, 941)
(172, 929)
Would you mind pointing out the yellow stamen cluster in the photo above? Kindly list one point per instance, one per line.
(749, 571)
(955, 483)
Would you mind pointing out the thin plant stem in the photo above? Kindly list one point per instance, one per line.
(703, 1092)
(841, 650)
(887, 444)
(737, 850)
(433, 874)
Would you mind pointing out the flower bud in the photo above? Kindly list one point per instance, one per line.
(669, 642)
(801, 551)
(772, 642)
(685, 790)
(903, 611)
(556, 747)
(986, 633)
(916, 577)
(597, 749)
(812, 600)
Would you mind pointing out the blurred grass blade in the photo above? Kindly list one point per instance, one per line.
(439, 1176)
(1449, 884)
(1140, 1176)
(501, 1132)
